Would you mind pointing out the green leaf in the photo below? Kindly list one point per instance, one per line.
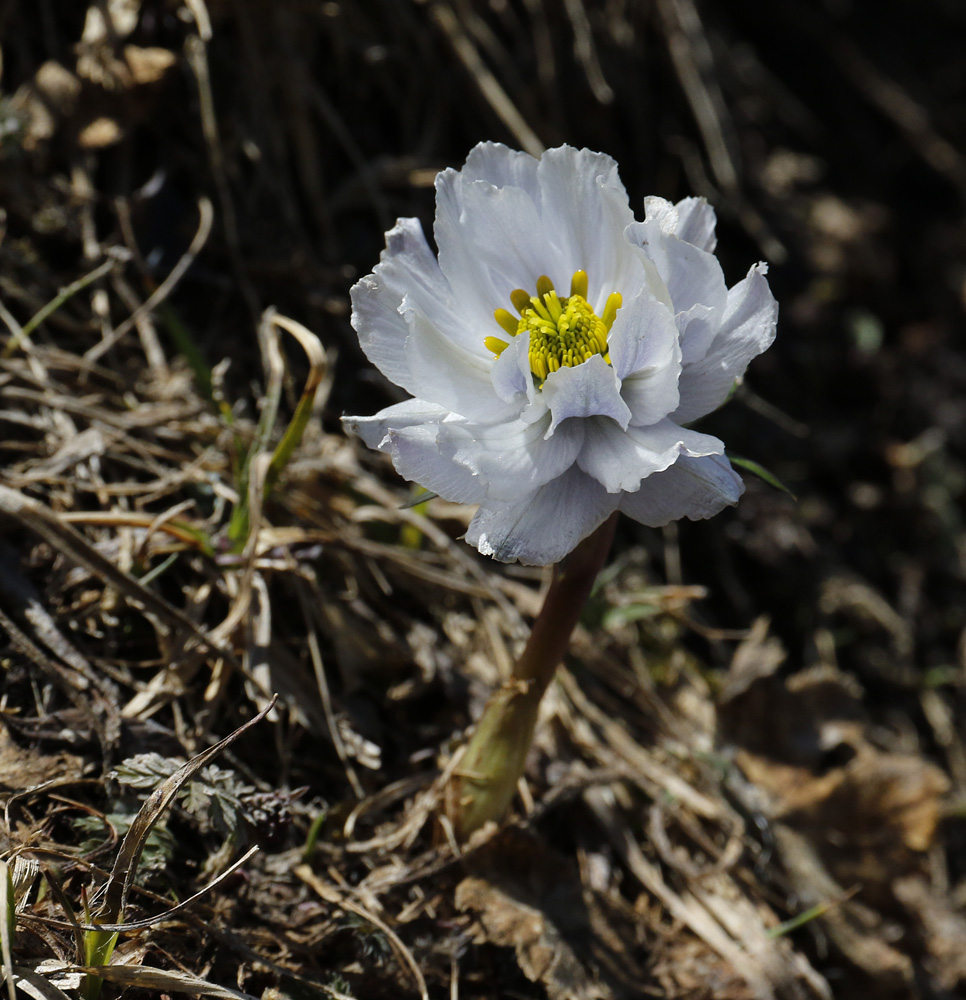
(761, 472)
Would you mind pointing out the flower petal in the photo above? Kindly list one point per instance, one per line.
(619, 460)
(541, 528)
(644, 351)
(409, 413)
(692, 275)
(491, 240)
(691, 220)
(585, 211)
(515, 458)
(503, 167)
(409, 433)
(695, 488)
(400, 313)
(747, 328)
(590, 389)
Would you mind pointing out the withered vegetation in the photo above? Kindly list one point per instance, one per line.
(750, 778)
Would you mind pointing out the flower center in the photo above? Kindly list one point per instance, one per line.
(563, 332)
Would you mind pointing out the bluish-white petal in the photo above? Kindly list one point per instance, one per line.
(515, 458)
(409, 433)
(445, 373)
(691, 220)
(407, 327)
(697, 329)
(407, 267)
(409, 413)
(692, 275)
(585, 211)
(510, 374)
(543, 527)
(695, 488)
(503, 167)
(417, 458)
(619, 460)
(747, 328)
(590, 389)
(491, 240)
(645, 353)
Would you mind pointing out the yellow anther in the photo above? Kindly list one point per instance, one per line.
(520, 300)
(561, 332)
(578, 284)
(540, 309)
(553, 305)
(614, 302)
(507, 320)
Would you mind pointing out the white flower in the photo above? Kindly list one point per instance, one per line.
(555, 349)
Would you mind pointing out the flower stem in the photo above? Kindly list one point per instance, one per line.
(484, 785)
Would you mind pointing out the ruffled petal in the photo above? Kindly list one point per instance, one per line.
(503, 167)
(408, 329)
(409, 433)
(444, 373)
(645, 353)
(515, 458)
(491, 240)
(695, 488)
(691, 220)
(374, 430)
(619, 460)
(543, 527)
(692, 275)
(747, 328)
(590, 389)
(585, 211)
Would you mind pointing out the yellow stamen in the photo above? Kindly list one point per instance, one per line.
(544, 286)
(614, 302)
(495, 345)
(561, 332)
(507, 320)
(520, 300)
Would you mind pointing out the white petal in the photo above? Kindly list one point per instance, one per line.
(416, 457)
(697, 329)
(619, 460)
(510, 374)
(445, 373)
(502, 167)
(374, 430)
(585, 211)
(691, 220)
(544, 527)
(644, 350)
(747, 328)
(515, 458)
(695, 488)
(590, 389)
(408, 329)
(409, 433)
(692, 275)
(491, 240)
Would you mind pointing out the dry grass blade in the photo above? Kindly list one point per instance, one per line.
(142, 977)
(65, 539)
(205, 218)
(34, 985)
(332, 895)
(122, 875)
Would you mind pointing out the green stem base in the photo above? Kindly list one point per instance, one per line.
(483, 787)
